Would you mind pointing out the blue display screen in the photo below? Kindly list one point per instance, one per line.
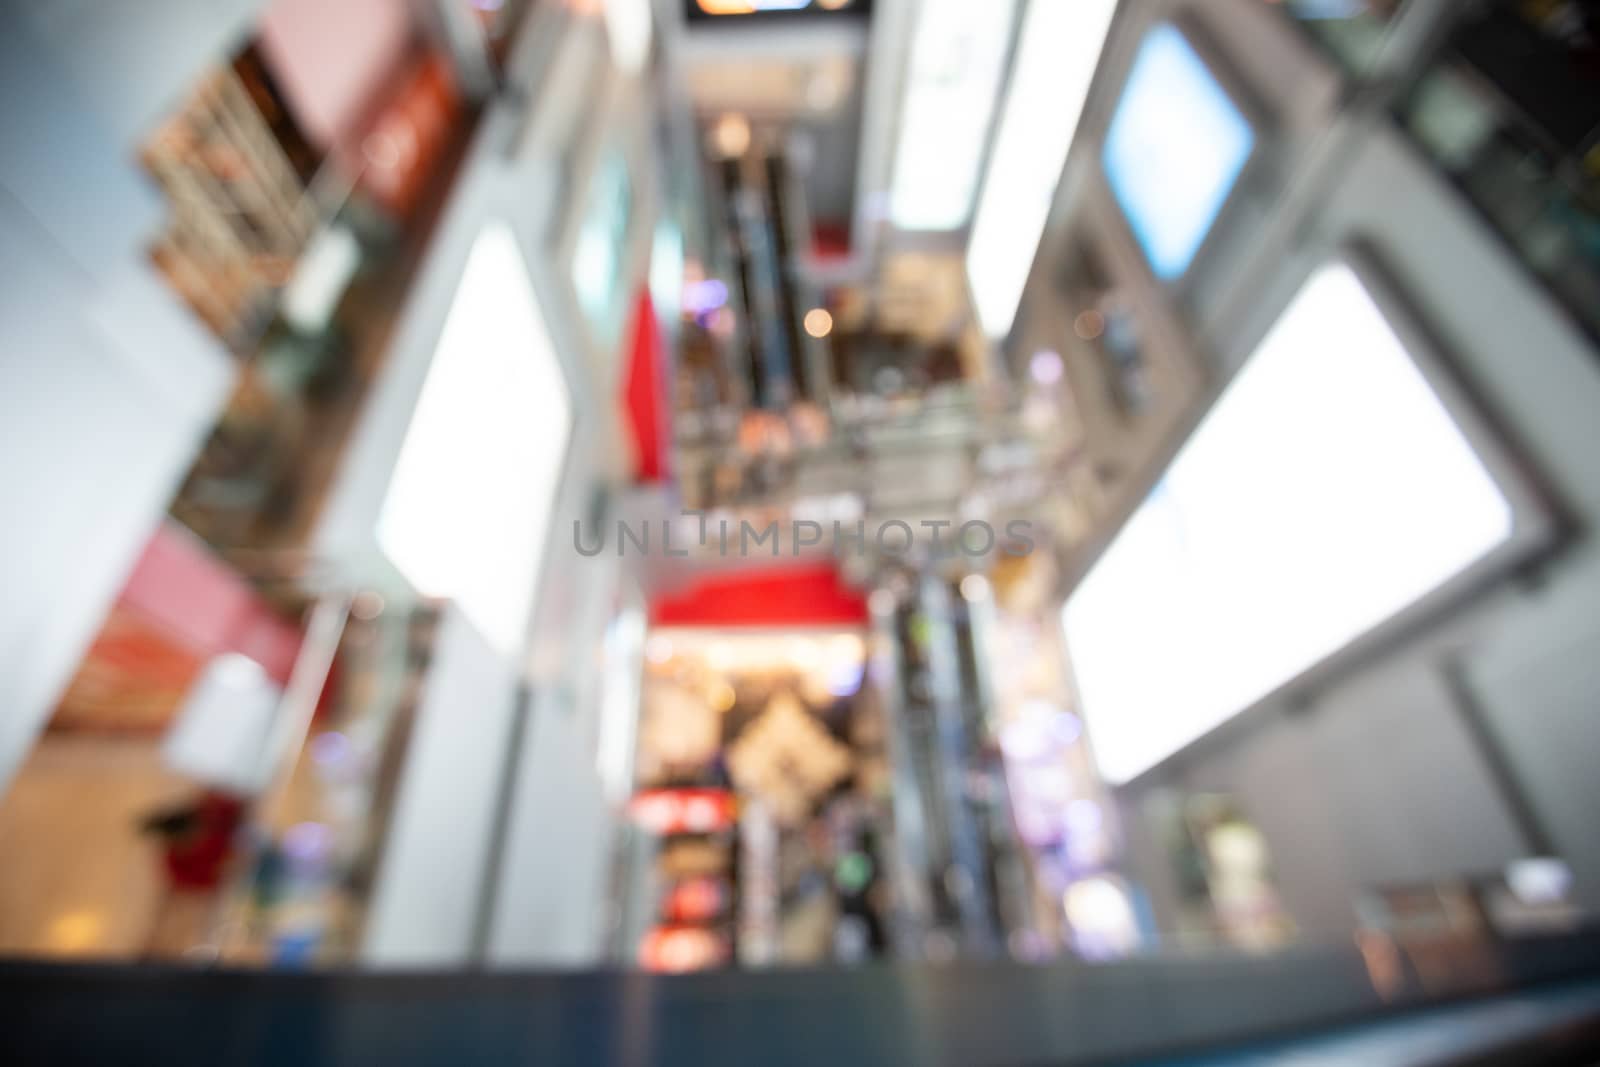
(1176, 146)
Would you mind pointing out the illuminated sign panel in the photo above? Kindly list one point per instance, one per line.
(1174, 151)
(469, 503)
(958, 54)
(1057, 53)
(1327, 491)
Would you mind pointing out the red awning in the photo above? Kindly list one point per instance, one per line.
(644, 392)
(791, 596)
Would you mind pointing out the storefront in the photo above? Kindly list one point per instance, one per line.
(759, 830)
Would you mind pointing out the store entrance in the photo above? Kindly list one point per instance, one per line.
(761, 816)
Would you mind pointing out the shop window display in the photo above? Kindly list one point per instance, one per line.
(762, 776)
(1510, 112)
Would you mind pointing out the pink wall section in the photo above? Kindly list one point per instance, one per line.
(329, 58)
(203, 604)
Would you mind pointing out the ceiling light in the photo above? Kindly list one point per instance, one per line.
(628, 29)
(1059, 51)
(958, 54)
(1045, 367)
(730, 137)
(658, 649)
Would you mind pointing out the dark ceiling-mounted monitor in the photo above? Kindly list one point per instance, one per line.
(740, 10)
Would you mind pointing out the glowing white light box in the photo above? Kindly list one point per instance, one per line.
(1057, 53)
(1174, 151)
(1328, 490)
(958, 53)
(600, 255)
(468, 506)
(628, 30)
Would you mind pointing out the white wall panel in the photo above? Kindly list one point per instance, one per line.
(426, 905)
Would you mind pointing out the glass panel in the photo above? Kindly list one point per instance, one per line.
(1512, 113)
(1352, 31)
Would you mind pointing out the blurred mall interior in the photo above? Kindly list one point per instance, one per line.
(782, 530)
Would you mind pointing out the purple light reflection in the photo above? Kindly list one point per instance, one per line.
(307, 843)
(700, 298)
(1046, 367)
(331, 749)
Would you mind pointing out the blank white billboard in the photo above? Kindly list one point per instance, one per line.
(469, 504)
(1328, 490)
(1057, 54)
